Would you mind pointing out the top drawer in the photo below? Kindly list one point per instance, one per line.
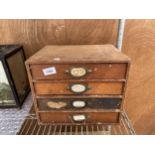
(79, 71)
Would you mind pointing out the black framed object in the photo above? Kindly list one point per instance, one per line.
(14, 85)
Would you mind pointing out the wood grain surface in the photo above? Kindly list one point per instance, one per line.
(35, 34)
(97, 88)
(91, 117)
(78, 54)
(139, 45)
(114, 71)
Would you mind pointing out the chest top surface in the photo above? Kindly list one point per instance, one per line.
(78, 54)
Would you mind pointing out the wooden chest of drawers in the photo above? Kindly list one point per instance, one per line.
(78, 84)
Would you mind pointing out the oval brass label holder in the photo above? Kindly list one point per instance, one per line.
(79, 118)
(78, 88)
(78, 72)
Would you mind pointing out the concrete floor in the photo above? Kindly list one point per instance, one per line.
(11, 119)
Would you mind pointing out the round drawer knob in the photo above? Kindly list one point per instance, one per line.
(79, 104)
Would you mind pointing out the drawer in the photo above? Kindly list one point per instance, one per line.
(52, 104)
(79, 117)
(84, 71)
(88, 88)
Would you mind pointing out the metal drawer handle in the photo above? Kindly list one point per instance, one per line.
(79, 118)
(78, 104)
(78, 72)
(78, 88)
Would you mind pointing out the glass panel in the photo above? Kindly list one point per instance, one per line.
(18, 71)
(6, 96)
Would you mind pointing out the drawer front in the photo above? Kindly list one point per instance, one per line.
(49, 88)
(86, 71)
(79, 117)
(76, 104)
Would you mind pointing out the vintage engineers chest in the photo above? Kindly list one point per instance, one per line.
(78, 84)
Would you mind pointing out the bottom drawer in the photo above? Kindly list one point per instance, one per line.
(79, 117)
